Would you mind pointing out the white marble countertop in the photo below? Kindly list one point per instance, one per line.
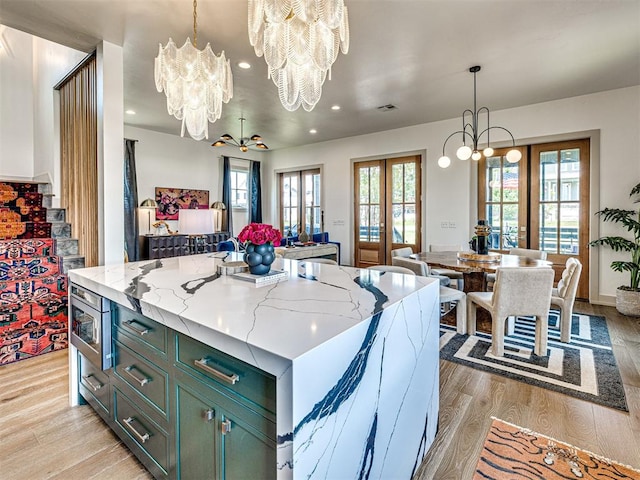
(315, 303)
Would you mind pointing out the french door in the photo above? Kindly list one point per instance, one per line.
(541, 202)
(387, 208)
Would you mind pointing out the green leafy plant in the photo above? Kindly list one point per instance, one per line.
(630, 219)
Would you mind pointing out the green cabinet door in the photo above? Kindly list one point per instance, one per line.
(196, 436)
(218, 438)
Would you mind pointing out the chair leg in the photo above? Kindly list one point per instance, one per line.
(541, 336)
(566, 315)
(461, 317)
(471, 317)
(497, 336)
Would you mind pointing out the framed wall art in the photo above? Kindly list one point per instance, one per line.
(171, 200)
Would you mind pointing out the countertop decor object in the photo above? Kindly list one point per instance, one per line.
(259, 239)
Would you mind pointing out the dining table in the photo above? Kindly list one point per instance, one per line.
(475, 267)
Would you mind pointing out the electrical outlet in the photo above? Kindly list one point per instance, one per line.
(452, 224)
(444, 225)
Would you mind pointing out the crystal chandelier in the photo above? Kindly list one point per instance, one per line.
(244, 143)
(195, 82)
(300, 40)
(470, 129)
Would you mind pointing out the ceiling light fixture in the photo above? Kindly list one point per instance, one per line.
(470, 127)
(244, 144)
(196, 82)
(244, 65)
(300, 41)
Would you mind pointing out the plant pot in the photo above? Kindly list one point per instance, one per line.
(628, 302)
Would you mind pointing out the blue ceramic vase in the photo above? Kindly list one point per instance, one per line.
(259, 258)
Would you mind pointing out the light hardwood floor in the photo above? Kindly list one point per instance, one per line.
(43, 438)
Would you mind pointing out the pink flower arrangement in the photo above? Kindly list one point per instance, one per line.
(259, 234)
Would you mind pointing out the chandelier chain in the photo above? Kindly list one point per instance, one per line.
(195, 23)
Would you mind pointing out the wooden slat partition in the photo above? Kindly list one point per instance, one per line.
(79, 156)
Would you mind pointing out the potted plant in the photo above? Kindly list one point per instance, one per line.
(627, 296)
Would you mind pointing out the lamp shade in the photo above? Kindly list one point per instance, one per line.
(195, 221)
(148, 203)
(219, 206)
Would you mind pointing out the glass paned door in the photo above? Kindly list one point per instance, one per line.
(300, 198)
(502, 193)
(559, 204)
(387, 208)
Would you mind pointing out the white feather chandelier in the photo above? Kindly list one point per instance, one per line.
(300, 40)
(196, 83)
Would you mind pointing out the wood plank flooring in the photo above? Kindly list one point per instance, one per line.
(43, 438)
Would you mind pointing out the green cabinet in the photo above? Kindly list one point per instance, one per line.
(186, 410)
(221, 431)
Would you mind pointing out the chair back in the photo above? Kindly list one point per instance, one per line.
(529, 253)
(568, 284)
(401, 252)
(522, 291)
(416, 266)
(391, 269)
(445, 248)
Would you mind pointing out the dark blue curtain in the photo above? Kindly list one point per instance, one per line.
(255, 206)
(130, 202)
(226, 196)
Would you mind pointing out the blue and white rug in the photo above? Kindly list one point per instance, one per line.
(584, 368)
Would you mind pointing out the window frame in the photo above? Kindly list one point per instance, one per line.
(300, 201)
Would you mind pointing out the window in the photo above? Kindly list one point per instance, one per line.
(300, 202)
(239, 188)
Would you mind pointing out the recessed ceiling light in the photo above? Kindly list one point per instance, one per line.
(244, 65)
(313, 130)
(335, 107)
(130, 112)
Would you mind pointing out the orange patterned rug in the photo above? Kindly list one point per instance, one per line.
(512, 452)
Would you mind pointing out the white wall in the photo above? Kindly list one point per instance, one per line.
(16, 105)
(172, 161)
(29, 70)
(448, 193)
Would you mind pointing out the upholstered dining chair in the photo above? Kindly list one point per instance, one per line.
(447, 295)
(521, 252)
(457, 277)
(564, 296)
(418, 267)
(517, 291)
(402, 252)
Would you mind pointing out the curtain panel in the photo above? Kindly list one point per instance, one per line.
(255, 206)
(226, 196)
(131, 244)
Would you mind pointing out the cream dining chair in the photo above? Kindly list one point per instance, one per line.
(521, 252)
(518, 291)
(564, 296)
(457, 277)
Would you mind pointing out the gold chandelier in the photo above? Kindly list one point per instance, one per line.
(196, 83)
(244, 143)
(300, 40)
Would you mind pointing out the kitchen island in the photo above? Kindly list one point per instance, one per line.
(352, 354)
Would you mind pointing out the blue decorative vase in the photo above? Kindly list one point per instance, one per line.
(259, 258)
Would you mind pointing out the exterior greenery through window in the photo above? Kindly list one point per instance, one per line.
(300, 202)
(239, 188)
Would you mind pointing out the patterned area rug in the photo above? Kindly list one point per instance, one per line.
(21, 212)
(510, 452)
(584, 368)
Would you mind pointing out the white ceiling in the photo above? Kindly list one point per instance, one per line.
(414, 54)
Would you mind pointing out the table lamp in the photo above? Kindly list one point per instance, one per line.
(217, 208)
(149, 204)
(195, 223)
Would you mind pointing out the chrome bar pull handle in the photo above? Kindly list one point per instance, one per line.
(231, 378)
(141, 438)
(94, 386)
(225, 426)
(141, 380)
(209, 415)
(140, 331)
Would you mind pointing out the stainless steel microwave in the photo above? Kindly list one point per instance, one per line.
(90, 325)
